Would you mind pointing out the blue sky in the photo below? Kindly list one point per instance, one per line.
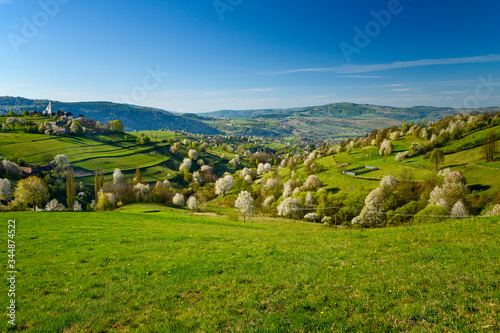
(197, 56)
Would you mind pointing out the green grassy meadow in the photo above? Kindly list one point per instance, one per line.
(149, 268)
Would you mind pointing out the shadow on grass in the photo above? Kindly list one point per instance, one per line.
(478, 187)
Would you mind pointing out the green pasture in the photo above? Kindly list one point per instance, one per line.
(150, 268)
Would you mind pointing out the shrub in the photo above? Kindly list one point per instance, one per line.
(327, 220)
(432, 213)
(312, 217)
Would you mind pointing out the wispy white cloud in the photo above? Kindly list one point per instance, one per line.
(354, 69)
(6, 2)
(364, 76)
(227, 92)
(418, 63)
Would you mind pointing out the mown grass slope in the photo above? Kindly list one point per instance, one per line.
(479, 174)
(153, 270)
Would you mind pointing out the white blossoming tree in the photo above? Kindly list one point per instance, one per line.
(495, 211)
(248, 179)
(193, 154)
(452, 190)
(186, 165)
(260, 168)
(11, 169)
(385, 148)
(224, 185)
(289, 207)
(61, 161)
(77, 207)
(245, 172)
(458, 211)
(312, 217)
(372, 214)
(54, 206)
(6, 192)
(141, 191)
(389, 182)
(245, 204)
(192, 203)
(197, 177)
(312, 183)
(178, 200)
(118, 177)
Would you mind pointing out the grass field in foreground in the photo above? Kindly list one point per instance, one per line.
(128, 271)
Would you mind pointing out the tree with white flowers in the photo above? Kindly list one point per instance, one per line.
(312, 217)
(193, 154)
(452, 190)
(401, 156)
(385, 148)
(495, 211)
(11, 169)
(235, 161)
(192, 203)
(224, 185)
(245, 204)
(186, 165)
(312, 183)
(178, 200)
(372, 214)
(6, 192)
(458, 211)
(141, 191)
(248, 179)
(289, 207)
(118, 177)
(260, 168)
(54, 206)
(11, 121)
(389, 182)
(61, 161)
(197, 178)
(268, 201)
(77, 206)
(245, 172)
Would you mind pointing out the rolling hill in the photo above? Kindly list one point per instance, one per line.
(133, 117)
(331, 122)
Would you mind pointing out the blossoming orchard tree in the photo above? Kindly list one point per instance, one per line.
(5, 190)
(118, 177)
(192, 203)
(224, 185)
(245, 204)
(32, 191)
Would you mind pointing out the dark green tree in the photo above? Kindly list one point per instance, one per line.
(437, 157)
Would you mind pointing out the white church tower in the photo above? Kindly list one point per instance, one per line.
(48, 110)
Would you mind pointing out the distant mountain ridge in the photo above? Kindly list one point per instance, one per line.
(340, 110)
(330, 121)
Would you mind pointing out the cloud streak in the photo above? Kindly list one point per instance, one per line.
(356, 69)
